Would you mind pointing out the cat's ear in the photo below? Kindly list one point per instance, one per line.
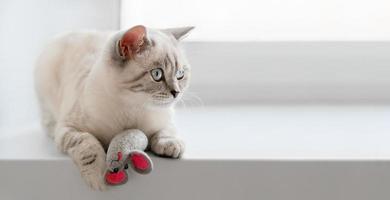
(132, 42)
(179, 33)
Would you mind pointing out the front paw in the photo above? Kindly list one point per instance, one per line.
(94, 179)
(167, 146)
(90, 158)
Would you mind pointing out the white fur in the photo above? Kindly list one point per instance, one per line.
(83, 108)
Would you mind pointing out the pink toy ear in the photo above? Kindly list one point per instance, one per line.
(140, 162)
(116, 178)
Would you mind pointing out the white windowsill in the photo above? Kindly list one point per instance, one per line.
(244, 152)
(256, 132)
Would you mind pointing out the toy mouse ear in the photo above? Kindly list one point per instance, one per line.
(140, 162)
(116, 178)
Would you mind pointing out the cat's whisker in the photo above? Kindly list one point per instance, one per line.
(193, 100)
(182, 104)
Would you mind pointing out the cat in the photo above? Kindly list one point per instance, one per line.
(94, 85)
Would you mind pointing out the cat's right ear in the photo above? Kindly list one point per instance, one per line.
(132, 42)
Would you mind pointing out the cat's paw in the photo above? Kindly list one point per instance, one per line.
(92, 169)
(90, 158)
(168, 147)
(94, 179)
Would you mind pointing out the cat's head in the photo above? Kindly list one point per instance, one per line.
(151, 65)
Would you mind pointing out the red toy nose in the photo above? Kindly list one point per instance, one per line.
(116, 178)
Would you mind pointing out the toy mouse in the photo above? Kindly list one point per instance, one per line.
(126, 149)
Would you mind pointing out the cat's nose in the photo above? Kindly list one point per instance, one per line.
(174, 93)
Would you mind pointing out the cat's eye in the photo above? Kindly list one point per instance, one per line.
(180, 74)
(157, 74)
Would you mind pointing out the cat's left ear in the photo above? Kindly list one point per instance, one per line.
(179, 33)
(132, 42)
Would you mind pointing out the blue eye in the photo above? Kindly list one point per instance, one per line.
(180, 74)
(157, 74)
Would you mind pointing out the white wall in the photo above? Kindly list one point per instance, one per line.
(24, 28)
(26, 25)
(289, 72)
(266, 20)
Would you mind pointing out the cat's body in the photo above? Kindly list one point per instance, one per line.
(71, 89)
(94, 85)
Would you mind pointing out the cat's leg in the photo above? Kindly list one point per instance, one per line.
(86, 152)
(48, 121)
(166, 143)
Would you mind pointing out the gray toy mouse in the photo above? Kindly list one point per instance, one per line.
(127, 149)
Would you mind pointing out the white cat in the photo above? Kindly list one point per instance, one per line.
(94, 85)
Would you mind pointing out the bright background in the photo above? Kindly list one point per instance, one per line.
(265, 20)
(25, 26)
(244, 72)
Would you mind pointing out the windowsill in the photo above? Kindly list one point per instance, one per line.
(268, 152)
(255, 132)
